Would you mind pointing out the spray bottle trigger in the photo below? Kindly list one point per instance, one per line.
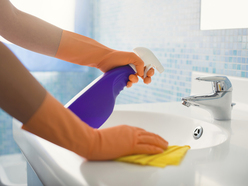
(149, 59)
(148, 67)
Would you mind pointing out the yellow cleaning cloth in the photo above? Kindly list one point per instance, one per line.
(171, 156)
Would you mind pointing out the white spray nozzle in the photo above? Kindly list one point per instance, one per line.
(149, 59)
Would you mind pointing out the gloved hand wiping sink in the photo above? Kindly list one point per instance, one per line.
(59, 125)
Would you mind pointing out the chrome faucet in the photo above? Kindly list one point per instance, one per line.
(219, 103)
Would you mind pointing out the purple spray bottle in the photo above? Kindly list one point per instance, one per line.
(95, 103)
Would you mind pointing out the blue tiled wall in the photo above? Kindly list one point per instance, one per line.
(171, 29)
(7, 143)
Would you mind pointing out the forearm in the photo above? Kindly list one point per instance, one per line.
(28, 31)
(20, 93)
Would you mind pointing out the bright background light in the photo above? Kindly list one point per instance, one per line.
(224, 14)
(60, 13)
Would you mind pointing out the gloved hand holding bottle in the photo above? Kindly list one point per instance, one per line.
(82, 50)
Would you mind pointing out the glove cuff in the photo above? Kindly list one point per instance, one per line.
(81, 50)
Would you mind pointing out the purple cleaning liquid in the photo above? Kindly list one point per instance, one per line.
(96, 104)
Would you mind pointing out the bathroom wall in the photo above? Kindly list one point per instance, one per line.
(171, 29)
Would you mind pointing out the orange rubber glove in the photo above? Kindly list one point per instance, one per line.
(53, 122)
(82, 50)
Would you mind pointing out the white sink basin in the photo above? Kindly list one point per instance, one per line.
(177, 130)
(57, 166)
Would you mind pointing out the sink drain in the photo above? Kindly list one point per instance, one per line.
(198, 132)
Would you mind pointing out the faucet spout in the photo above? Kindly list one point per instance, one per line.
(185, 103)
(218, 103)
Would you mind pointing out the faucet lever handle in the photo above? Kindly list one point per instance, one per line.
(220, 83)
(212, 78)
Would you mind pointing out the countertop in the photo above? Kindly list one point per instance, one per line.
(222, 165)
